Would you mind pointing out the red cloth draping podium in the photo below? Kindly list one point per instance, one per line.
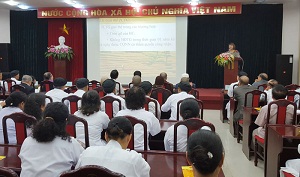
(231, 71)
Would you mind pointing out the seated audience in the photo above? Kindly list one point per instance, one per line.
(26, 83)
(159, 82)
(262, 78)
(167, 84)
(109, 87)
(135, 100)
(271, 83)
(15, 76)
(14, 103)
(33, 81)
(185, 77)
(104, 78)
(96, 119)
(114, 155)
(114, 74)
(35, 105)
(82, 85)
(292, 166)
(50, 150)
(136, 81)
(171, 104)
(58, 93)
(189, 108)
(278, 92)
(47, 77)
(137, 73)
(205, 153)
(239, 95)
(147, 87)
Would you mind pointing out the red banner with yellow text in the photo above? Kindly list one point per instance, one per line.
(143, 11)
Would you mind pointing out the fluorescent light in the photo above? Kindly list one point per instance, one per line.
(77, 5)
(23, 6)
(12, 3)
(194, 3)
(69, 2)
(131, 1)
(136, 5)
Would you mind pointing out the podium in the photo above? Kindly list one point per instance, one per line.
(60, 68)
(231, 71)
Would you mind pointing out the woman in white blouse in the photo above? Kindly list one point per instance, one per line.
(96, 119)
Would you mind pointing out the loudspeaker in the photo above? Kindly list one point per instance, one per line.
(284, 69)
(4, 57)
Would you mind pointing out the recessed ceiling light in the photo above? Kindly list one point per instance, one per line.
(23, 6)
(12, 3)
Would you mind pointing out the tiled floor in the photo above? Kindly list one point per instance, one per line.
(236, 164)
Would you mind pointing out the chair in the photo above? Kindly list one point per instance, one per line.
(292, 87)
(280, 119)
(2, 93)
(200, 103)
(146, 105)
(91, 171)
(49, 98)
(192, 124)
(71, 127)
(8, 83)
(119, 87)
(17, 88)
(169, 86)
(109, 100)
(46, 86)
(254, 102)
(262, 87)
(73, 102)
(21, 120)
(100, 91)
(135, 121)
(286, 174)
(71, 89)
(161, 95)
(195, 93)
(94, 84)
(130, 85)
(6, 172)
(291, 95)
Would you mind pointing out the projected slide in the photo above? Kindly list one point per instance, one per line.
(146, 44)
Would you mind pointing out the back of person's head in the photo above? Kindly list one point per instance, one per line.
(189, 108)
(27, 79)
(47, 76)
(59, 83)
(118, 128)
(263, 76)
(136, 80)
(53, 123)
(135, 98)
(159, 81)
(15, 99)
(137, 73)
(35, 104)
(272, 83)
(242, 73)
(164, 75)
(185, 87)
(114, 74)
(279, 92)
(81, 83)
(14, 73)
(109, 85)
(90, 103)
(205, 151)
(146, 86)
(244, 80)
(185, 79)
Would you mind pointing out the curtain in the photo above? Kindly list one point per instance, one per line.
(257, 33)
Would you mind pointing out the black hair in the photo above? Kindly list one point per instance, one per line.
(159, 80)
(137, 73)
(53, 124)
(33, 105)
(242, 73)
(135, 98)
(279, 92)
(189, 108)
(119, 128)
(90, 103)
(205, 151)
(114, 74)
(15, 99)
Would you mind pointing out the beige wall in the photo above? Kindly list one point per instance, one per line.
(4, 26)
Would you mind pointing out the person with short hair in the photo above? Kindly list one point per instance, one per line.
(185, 77)
(205, 153)
(114, 74)
(135, 100)
(137, 73)
(136, 81)
(96, 119)
(262, 78)
(35, 105)
(270, 85)
(50, 150)
(14, 104)
(48, 76)
(114, 155)
(159, 82)
(58, 93)
(26, 83)
(171, 104)
(169, 86)
(15, 76)
(147, 87)
(82, 85)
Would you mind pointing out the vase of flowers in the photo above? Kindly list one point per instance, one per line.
(59, 53)
(224, 59)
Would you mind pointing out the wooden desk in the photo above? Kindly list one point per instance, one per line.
(12, 160)
(282, 143)
(166, 164)
(249, 117)
(232, 128)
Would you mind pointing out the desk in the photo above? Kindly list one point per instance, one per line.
(12, 160)
(232, 128)
(249, 117)
(282, 143)
(166, 164)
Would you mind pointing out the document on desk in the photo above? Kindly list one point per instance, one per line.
(2, 157)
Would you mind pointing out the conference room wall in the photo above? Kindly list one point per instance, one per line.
(5, 26)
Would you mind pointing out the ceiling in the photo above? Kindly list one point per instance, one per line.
(34, 4)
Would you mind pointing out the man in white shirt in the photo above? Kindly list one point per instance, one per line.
(109, 87)
(271, 83)
(171, 104)
(82, 85)
(135, 100)
(147, 87)
(114, 74)
(58, 93)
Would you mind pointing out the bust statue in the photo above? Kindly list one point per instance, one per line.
(61, 41)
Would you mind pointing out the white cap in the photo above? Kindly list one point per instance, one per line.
(185, 75)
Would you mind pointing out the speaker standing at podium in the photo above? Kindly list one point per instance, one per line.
(232, 50)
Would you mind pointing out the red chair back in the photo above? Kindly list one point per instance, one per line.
(91, 171)
(135, 121)
(262, 87)
(9, 83)
(17, 88)
(73, 102)
(46, 86)
(292, 87)
(71, 127)
(291, 95)
(195, 93)
(161, 95)
(255, 98)
(282, 105)
(192, 124)
(109, 100)
(286, 174)
(200, 103)
(169, 86)
(20, 119)
(146, 106)
(6, 172)
(94, 84)
(100, 91)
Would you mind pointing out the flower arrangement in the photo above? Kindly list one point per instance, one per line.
(224, 59)
(59, 53)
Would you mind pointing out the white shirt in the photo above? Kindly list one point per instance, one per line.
(11, 130)
(57, 94)
(115, 104)
(153, 126)
(121, 91)
(48, 159)
(96, 123)
(14, 79)
(116, 159)
(151, 106)
(230, 89)
(78, 93)
(171, 104)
